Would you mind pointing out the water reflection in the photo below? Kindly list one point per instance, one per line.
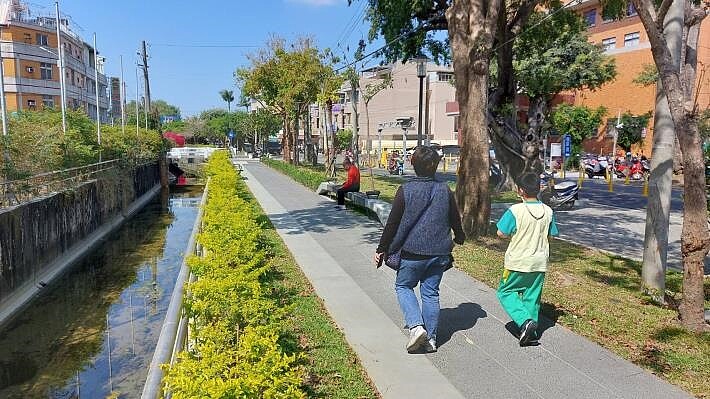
(93, 332)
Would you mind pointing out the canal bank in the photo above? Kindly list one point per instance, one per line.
(42, 238)
(93, 332)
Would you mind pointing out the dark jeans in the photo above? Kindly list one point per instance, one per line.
(341, 193)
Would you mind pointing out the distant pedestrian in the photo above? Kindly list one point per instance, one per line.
(528, 225)
(419, 228)
(384, 158)
(352, 183)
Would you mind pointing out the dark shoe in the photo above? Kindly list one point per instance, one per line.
(528, 333)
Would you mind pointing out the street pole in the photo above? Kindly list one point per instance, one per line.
(137, 95)
(379, 135)
(62, 83)
(96, 90)
(655, 251)
(421, 74)
(122, 92)
(3, 105)
(404, 150)
(146, 79)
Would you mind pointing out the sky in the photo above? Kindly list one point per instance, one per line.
(183, 70)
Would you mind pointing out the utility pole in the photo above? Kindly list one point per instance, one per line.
(137, 95)
(122, 92)
(3, 105)
(96, 87)
(146, 81)
(655, 251)
(62, 83)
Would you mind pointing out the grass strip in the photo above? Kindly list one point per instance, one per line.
(599, 297)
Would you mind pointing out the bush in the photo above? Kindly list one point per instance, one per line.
(36, 143)
(308, 177)
(236, 324)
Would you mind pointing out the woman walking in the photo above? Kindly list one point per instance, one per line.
(418, 231)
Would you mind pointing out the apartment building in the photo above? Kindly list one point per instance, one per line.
(30, 63)
(399, 100)
(627, 42)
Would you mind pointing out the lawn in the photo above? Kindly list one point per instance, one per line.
(597, 296)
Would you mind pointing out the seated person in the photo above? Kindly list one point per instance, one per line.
(352, 184)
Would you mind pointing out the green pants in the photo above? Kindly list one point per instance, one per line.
(519, 293)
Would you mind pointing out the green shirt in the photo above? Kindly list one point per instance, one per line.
(528, 224)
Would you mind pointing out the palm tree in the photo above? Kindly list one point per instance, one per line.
(228, 96)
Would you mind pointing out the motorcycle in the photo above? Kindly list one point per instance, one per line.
(596, 167)
(559, 196)
(396, 166)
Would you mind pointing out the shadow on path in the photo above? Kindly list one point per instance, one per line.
(461, 318)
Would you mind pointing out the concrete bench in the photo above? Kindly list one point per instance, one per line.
(377, 206)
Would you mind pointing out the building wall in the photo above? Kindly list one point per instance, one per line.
(622, 95)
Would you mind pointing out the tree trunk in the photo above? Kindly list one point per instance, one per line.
(695, 240)
(286, 141)
(296, 133)
(330, 136)
(368, 142)
(355, 144)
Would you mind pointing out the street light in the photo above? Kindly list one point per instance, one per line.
(421, 74)
(404, 122)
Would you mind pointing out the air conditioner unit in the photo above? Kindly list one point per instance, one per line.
(30, 69)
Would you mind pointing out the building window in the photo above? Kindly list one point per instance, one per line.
(31, 104)
(590, 17)
(609, 43)
(631, 10)
(45, 70)
(48, 101)
(631, 39)
(42, 40)
(445, 76)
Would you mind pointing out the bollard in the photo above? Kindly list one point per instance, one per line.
(645, 187)
(611, 181)
(628, 178)
(580, 180)
(446, 159)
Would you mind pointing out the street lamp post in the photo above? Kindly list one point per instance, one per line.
(62, 84)
(379, 136)
(421, 74)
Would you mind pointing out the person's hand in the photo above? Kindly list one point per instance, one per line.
(377, 259)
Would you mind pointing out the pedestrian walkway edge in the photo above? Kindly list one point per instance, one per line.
(395, 373)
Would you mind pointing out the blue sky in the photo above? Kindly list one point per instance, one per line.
(191, 77)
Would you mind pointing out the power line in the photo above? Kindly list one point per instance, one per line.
(204, 45)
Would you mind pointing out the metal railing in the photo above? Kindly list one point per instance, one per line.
(174, 333)
(16, 192)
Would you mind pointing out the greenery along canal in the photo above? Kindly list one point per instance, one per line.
(93, 332)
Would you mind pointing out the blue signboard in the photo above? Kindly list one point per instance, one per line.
(231, 134)
(169, 118)
(567, 145)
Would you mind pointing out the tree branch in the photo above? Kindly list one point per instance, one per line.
(662, 11)
(521, 16)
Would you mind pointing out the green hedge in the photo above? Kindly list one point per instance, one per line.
(310, 178)
(237, 326)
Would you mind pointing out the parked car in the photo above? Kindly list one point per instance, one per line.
(273, 148)
(450, 150)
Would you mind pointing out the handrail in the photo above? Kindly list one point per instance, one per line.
(172, 334)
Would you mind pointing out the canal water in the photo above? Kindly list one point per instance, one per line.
(92, 333)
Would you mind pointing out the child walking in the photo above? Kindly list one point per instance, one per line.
(528, 225)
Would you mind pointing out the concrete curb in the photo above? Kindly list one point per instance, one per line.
(24, 294)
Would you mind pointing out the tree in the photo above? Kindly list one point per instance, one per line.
(679, 86)
(631, 130)
(228, 97)
(256, 127)
(343, 139)
(579, 122)
(158, 108)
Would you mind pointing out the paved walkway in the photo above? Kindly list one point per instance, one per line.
(477, 357)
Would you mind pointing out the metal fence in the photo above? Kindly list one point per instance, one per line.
(16, 192)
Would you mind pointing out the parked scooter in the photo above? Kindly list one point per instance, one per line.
(596, 167)
(560, 196)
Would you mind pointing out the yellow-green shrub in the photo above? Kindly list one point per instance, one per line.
(236, 323)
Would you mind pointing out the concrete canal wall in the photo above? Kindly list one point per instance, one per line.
(42, 238)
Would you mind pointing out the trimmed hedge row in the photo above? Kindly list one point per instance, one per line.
(309, 178)
(237, 326)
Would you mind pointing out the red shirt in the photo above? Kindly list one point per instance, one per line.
(353, 177)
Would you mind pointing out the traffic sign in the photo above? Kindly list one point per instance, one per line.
(567, 145)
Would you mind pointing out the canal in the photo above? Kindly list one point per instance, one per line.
(92, 333)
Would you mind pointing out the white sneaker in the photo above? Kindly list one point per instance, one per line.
(430, 346)
(417, 337)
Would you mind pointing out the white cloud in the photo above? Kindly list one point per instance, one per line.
(317, 3)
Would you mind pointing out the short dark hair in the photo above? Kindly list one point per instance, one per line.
(425, 161)
(530, 184)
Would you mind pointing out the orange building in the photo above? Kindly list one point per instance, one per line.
(30, 63)
(627, 42)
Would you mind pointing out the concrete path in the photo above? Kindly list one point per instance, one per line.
(477, 357)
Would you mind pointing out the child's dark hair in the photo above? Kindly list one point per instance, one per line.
(530, 184)
(425, 161)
